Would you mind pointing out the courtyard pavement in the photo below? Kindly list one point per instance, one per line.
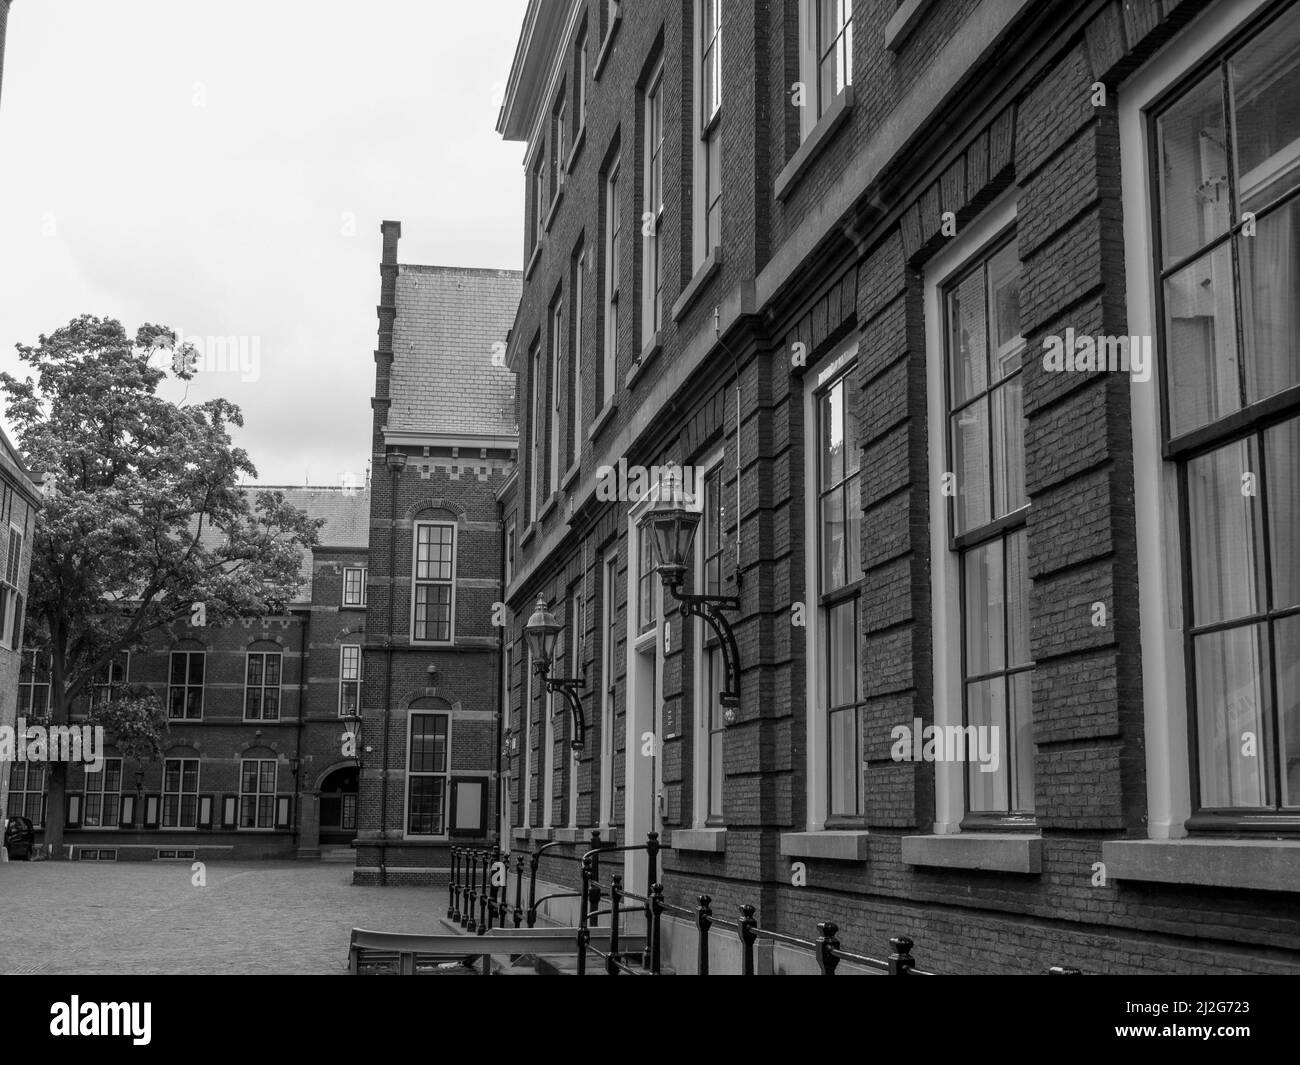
(269, 918)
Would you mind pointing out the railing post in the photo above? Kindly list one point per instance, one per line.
(595, 876)
(532, 889)
(519, 891)
(483, 894)
(826, 945)
(494, 858)
(704, 921)
(656, 918)
(651, 878)
(747, 936)
(451, 884)
(471, 894)
(584, 933)
(615, 904)
(901, 961)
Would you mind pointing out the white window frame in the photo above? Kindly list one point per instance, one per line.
(557, 388)
(256, 796)
(652, 212)
(263, 687)
(100, 778)
(361, 598)
(526, 782)
(187, 685)
(534, 431)
(1160, 594)
(810, 64)
(344, 680)
(537, 184)
(702, 682)
(11, 599)
(576, 295)
(180, 795)
(451, 582)
(704, 132)
(613, 239)
(816, 724)
(512, 539)
(98, 688)
(580, 80)
(408, 775)
(33, 684)
(608, 692)
(559, 143)
(16, 800)
(945, 564)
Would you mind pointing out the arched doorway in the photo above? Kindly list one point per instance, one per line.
(338, 807)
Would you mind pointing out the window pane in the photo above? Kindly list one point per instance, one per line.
(833, 575)
(853, 529)
(272, 670)
(832, 427)
(843, 762)
(1270, 302)
(255, 669)
(841, 666)
(852, 431)
(1021, 742)
(266, 781)
(1018, 600)
(715, 773)
(970, 453)
(1282, 493)
(1226, 535)
(985, 642)
(968, 338)
(1004, 302)
(1265, 80)
(178, 668)
(1232, 701)
(1286, 641)
(1201, 342)
(1193, 170)
(196, 660)
(986, 709)
(1008, 448)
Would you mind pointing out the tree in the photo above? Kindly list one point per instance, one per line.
(144, 523)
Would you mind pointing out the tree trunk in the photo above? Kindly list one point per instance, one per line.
(56, 775)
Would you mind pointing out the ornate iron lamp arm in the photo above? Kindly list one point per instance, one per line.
(709, 609)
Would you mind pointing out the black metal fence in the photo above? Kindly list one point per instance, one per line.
(478, 901)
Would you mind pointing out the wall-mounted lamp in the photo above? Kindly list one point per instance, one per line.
(542, 631)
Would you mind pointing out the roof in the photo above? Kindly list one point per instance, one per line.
(445, 379)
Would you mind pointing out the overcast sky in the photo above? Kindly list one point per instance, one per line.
(222, 167)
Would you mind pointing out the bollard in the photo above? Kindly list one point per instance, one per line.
(826, 945)
(703, 922)
(901, 961)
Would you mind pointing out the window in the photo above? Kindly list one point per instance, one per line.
(426, 778)
(103, 795)
(181, 792)
(708, 156)
(557, 387)
(433, 602)
(986, 524)
(646, 582)
(34, 685)
(11, 602)
(559, 146)
(608, 662)
(535, 382)
(575, 410)
(838, 581)
(262, 686)
(577, 617)
(256, 792)
(652, 306)
(27, 791)
(613, 245)
(525, 781)
(580, 80)
(510, 552)
(713, 673)
(1227, 168)
(185, 686)
(350, 680)
(112, 677)
(539, 197)
(354, 586)
(834, 50)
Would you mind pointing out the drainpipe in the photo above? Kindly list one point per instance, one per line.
(297, 751)
(502, 695)
(396, 462)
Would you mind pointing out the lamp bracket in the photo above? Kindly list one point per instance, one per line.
(571, 688)
(709, 609)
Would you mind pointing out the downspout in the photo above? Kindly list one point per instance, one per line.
(502, 695)
(396, 462)
(297, 751)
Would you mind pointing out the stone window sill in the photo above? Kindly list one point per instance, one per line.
(818, 137)
(1008, 852)
(547, 507)
(834, 846)
(903, 22)
(643, 360)
(567, 835)
(702, 277)
(569, 475)
(708, 840)
(519, 832)
(543, 834)
(533, 260)
(602, 419)
(554, 208)
(529, 533)
(1250, 864)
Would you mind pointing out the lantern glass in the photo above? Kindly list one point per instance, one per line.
(542, 631)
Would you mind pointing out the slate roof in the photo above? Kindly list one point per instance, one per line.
(443, 378)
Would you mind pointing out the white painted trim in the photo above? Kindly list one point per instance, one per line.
(700, 789)
(808, 67)
(455, 562)
(526, 783)
(411, 712)
(1164, 691)
(815, 721)
(945, 570)
(655, 84)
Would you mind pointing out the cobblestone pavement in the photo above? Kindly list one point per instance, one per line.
(146, 917)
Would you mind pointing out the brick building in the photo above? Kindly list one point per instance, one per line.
(444, 445)
(257, 760)
(19, 500)
(824, 251)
